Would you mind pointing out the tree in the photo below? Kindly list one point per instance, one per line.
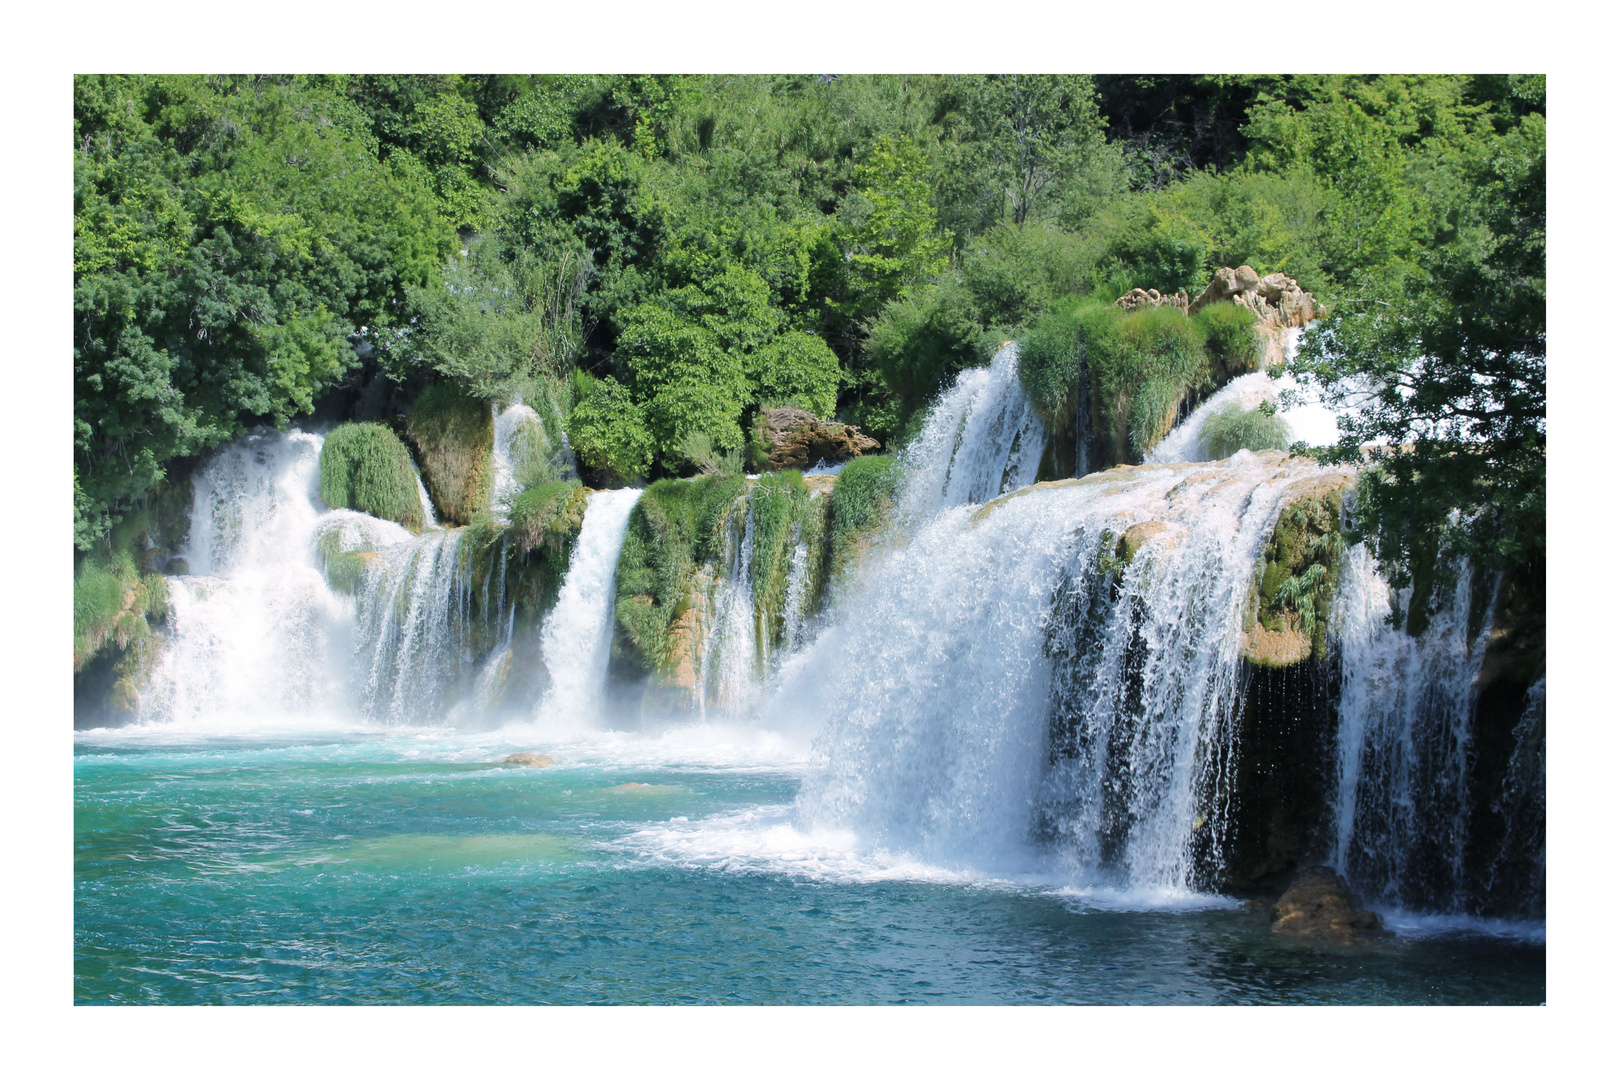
(1448, 378)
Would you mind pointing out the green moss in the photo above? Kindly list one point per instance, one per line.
(676, 527)
(112, 601)
(547, 511)
(1300, 567)
(861, 502)
(454, 436)
(1233, 428)
(365, 467)
(779, 502)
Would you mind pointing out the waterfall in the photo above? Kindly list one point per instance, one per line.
(1051, 695)
(415, 628)
(579, 631)
(982, 438)
(728, 662)
(1405, 731)
(510, 423)
(254, 631)
(794, 630)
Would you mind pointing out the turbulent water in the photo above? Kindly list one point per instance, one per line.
(1012, 733)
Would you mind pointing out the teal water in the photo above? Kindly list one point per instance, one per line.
(382, 868)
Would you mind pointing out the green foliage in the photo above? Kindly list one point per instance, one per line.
(676, 527)
(888, 226)
(1230, 337)
(861, 503)
(796, 369)
(549, 510)
(229, 233)
(1300, 568)
(111, 602)
(778, 501)
(609, 434)
(1455, 362)
(365, 467)
(1234, 428)
(1017, 273)
(454, 436)
(1141, 367)
(689, 381)
(920, 342)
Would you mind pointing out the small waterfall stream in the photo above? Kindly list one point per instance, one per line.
(574, 644)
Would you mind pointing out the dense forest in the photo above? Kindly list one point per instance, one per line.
(650, 260)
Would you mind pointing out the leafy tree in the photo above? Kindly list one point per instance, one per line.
(796, 369)
(889, 227)
(609, 434)
(1448, 380)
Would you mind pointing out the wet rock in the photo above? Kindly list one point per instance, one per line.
(177, 568)
(528, 760)
(1319, 906)
(797, 440)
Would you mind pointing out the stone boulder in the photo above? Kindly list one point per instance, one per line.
(527, 760)
(1319, 906)
(797, 440)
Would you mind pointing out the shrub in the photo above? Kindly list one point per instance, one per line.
(454, 436)
(796, 369)
(365, 467)
(1235, 428)
(919, 341)
(687, 380)
(861, 501)
(609, 434)
(1230, 337)
(546, 511)
(111, 600)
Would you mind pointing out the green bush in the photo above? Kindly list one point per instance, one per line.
(1143, 365)
(547, 510)
(777, 501)
(1230, 337)
(683, 375)
(609, 433)
(1233, 428)
(454, 436)
(111, 600)
(796, 369)
(921, 340)
(365, 467)
(861, 502)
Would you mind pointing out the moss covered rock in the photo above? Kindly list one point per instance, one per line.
(365, 467)
(453, 434)
(1288, 607)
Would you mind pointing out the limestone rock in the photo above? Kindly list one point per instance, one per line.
(1276, 300)
(1319, 906)
(1137, 298)
(1137, 535)
(527, 760)
(798, 440)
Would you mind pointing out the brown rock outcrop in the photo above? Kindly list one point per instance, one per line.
(798, 440)
(1319, 906)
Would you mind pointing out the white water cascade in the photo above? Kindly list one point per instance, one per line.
(982, 438)
(579, 631)
(1405, 731)
(255, 633)
(511, 423)
(1049, 696)
(727, 673)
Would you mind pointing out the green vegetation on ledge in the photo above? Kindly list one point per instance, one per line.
(365, 467)
(454, 436)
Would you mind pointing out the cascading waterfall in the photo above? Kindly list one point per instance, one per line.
(510, 423)
(728, 662)
(575, 641)
(1050, 695)
(982, 438)
(254, 630)
(415, 628)
(1405, 732)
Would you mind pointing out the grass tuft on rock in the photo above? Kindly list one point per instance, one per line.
(365, 467)
(862, 500)
(1233, 428)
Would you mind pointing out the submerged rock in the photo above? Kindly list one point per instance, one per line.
(1319, 906)
(528, 760)
(798, 440)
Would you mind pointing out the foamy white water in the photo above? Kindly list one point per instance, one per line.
(579, 630)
